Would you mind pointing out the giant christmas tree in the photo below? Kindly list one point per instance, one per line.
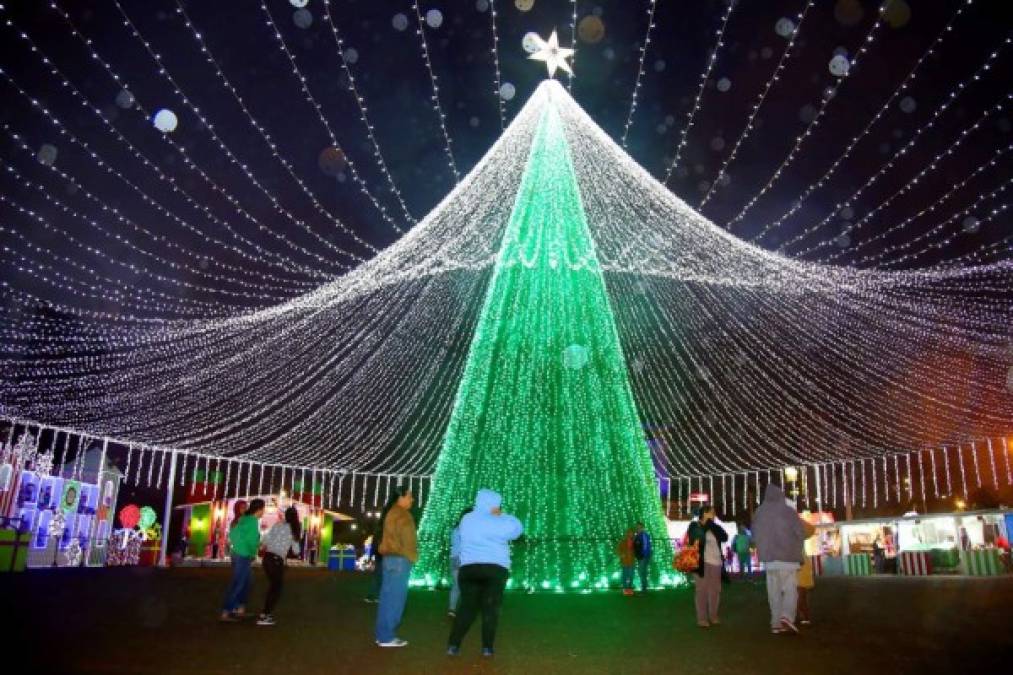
(544, 412)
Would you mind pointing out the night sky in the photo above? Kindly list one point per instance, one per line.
(396, 89)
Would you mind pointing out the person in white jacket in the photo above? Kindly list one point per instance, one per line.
(279, 540)
(486, 534)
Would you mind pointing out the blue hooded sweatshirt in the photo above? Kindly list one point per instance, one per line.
(485, 538)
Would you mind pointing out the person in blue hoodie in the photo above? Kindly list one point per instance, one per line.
(485, 534)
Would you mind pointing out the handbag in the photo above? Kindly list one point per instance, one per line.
(688, 559)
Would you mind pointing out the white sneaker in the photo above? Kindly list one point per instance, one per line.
(787, 624)
(396, 642)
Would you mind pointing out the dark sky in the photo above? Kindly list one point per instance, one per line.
(396, 89)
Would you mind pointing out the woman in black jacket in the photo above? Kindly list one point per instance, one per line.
(708, 536)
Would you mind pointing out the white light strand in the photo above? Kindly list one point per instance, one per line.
(691, 115)
(760, 99)
(652, 5)
(829, 95)
(887, 105)
(437, 107)
(498, 78)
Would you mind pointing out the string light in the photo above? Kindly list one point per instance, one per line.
(437, 107)
(830, 95)
(691, 115)
(829, 173)
(760, 99)
(640, 70)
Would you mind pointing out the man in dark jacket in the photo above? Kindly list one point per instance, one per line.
(778, 533)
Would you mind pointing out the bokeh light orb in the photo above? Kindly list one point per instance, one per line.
(125, 99)
(302, 18)
(507, 91)
(482, 5)
(400, 22)
(724, 84)
(784, 27)
(47, 154)
(524, 5)
(839, 65)
(299, 4)
(971, 225)
(165, 121)
(530, 42)
(908, 105)
(591, 29)
(848, 12)
(434, 18)
(575, 357)
(897, 13)
(331, 161)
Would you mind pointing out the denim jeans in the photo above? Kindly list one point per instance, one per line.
(455, 588)
(393, 596)
(239, 586)
(642, 565)
(627, 576)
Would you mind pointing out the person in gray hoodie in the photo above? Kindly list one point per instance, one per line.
(778, 533)
(485, 536)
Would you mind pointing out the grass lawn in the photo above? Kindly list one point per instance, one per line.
(123, 620)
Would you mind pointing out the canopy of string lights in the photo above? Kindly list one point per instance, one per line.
(182, 275)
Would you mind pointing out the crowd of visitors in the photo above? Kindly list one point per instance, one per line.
(479, 549)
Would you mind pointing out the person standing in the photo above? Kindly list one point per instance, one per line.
(279, 540)
(486, 534)
(707, 536)
(642, 552)
(627, 560)
(806, 578)
(778, 533)
(399, 548)
(741, 544)
(373, 595)
(455, 565)
(244, 539)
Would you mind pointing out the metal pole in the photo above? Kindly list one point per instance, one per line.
(167, 516)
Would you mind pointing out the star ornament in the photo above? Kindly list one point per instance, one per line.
(552, 54)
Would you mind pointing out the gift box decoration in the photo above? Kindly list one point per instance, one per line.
(981, 562)
(858, 565)
(342, 558)
(13, 550)
(914, 563)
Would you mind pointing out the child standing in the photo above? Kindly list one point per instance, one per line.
(281, 538)
(806, 577)
(627, 560)
(244, 538)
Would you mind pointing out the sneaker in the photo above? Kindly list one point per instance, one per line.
(396, 642)
(788, 625)
(805, 622)
(453, 651)
(371, 601)
(715, 622)
(452, 614)
(487, 652)
(703, 624)
(228, 617)
(627, 592)
(777, 631)
(265, 620)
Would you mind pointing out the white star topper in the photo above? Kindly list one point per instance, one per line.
(552, 54)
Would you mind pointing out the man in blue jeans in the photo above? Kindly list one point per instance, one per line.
(400, 551)
(642, 552)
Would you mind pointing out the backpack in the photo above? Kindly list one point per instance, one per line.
(641, 545)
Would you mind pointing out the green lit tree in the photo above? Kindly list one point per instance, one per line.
(544, 412)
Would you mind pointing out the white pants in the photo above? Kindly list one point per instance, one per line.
(782, 594)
